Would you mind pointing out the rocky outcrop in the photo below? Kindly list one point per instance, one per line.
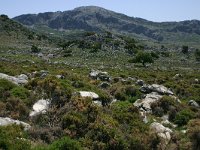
(156, 88)
(91, 95)
(193, 103)
(19, 80)
(145, 104)
(104, 85)
(99, 75)
(8, 121)
(39, 107)
(140, 82)
(162, 131)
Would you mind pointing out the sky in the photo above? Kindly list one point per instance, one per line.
(153, 10)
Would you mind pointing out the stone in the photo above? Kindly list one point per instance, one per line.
(98, 103)
(19, 80)
(99, 75)
(8, 121)
(161, 131)
(60, 76)
(40, 55)
(105, 85)
(145, 104)
(177, 76)
(196, 81)
(156, 88)
(40, 107)
(193, 103)
(89, 94)
(140, 82)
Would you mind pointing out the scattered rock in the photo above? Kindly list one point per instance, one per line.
(19, 80)
(161, 131)
(145, 104)
(60, 76)
(196, 81)
(99, 75)
(140, 82)
(8, 121)
(89, 94)
(98, 103)
(105, 85)
(193, 103)
(156, 88)
(40, 107)
(177, 76)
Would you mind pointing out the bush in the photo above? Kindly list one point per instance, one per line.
(194, 133)
(65, 143)
(185, 49)
(183, 117)
(5, 87)
(35, 49)
(13, 138)
(20, 92)
(197, 54)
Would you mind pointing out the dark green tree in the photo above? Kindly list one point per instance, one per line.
(185, 49)
(35, 49)
(143, 57)
(197, 54)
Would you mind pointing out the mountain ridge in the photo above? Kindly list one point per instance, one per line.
(93, 18)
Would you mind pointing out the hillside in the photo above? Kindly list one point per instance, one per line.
(93, 18)
(75, 89)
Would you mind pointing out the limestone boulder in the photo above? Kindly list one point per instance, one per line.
(89, 94)
(145, 104)
(156, 88)
(8, 121)
(162, 131)
(40, 107)
(19, 80)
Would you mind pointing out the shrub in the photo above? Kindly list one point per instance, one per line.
(197, 54)
(185, 49)
(194, 133)
(5, 87)
(20, 92)
(13, 138)
(65, 143)
(35, 49)
(183, 117)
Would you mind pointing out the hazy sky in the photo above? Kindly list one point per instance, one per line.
(154, 10)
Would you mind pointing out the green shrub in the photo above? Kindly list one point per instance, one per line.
(35, 49)
(5, 87)
(20, 92)
(13, 138)
(65, 144)
(183, 117)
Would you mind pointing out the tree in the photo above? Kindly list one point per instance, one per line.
(185, 49)
(197, 54)
(143, 57)
(35, 49)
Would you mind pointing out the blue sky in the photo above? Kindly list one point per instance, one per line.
(154, 10)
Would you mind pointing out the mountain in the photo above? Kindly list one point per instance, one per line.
(92, 18)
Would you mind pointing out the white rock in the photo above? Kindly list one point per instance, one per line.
(145, 104)
(21, 79)
(40, 107)
(193, 103)
(89, 94)
(161, 131)
(161, 89)
(8, 121)
(156, 88)
(98, 103)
